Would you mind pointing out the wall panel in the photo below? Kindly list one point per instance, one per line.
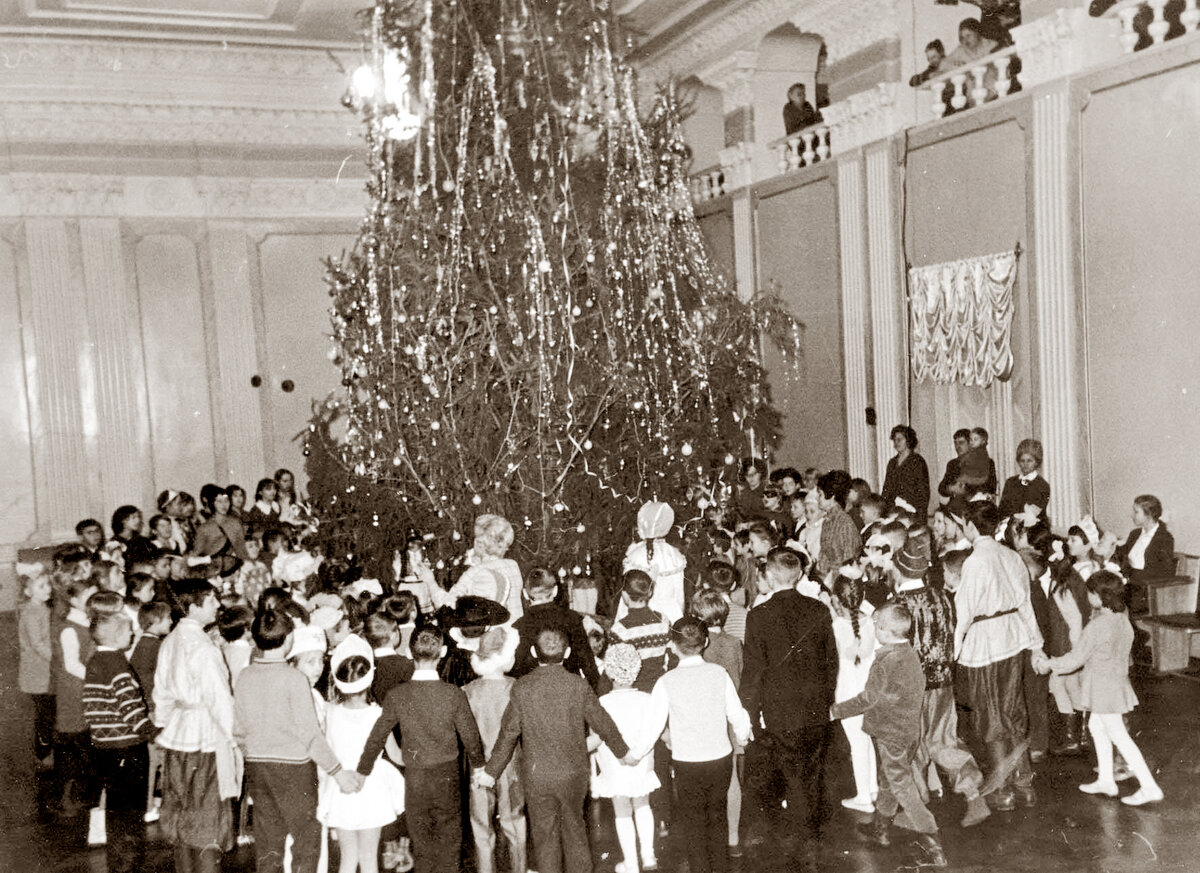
(177, 375)
(296, 334)
(966, 197)
(18, 516)
(798, 259)
(1142, 318)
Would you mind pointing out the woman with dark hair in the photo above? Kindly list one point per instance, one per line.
(127, 540)
(1149, 552)
(221, 537)
(907, 475)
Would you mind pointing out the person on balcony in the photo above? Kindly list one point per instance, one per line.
(972, 45)
(935, 54)
(798, 113)
(996, 18)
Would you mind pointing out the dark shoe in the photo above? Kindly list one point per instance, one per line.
(1072, 735)
(1025, 796)
(977, 811)
(932, 849)
(876, 831)
(1002, 800)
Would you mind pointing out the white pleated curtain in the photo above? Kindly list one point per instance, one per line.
(961, 315)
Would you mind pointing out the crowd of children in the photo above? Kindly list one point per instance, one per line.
(291, 705)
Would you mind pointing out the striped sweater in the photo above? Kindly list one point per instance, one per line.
(649, 633)
(113, 706)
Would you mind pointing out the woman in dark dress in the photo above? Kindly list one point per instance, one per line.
(907, 473)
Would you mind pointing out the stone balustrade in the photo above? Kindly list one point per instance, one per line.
(708, 184)
(990, 78)
(802, 148)
(1146, 23)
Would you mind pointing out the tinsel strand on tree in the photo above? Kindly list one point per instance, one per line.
(529, 324)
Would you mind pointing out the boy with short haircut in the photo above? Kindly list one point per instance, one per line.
(234, 623)
(154, 619)
(432, 718)
(541, 589)
(91, 537)
(643, 628)
(891, 706)
(391, 668)
(550, 712)
(698, 703)
(72, 648)
(275, 724)
(120, 727)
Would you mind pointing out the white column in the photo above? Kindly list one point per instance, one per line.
(1061, 417)
(888, 312)
(120, 382)
(60, 375)
(852, 242)
(239, 406)
(745, 270)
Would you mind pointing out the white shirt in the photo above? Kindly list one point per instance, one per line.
(1137, 554)
(696, 701)
(994, 580)
(192, 701)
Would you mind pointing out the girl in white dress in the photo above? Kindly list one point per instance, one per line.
(855, 635)
(628, 786)
(358, 818)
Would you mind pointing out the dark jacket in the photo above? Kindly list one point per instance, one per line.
(891, 701)
(550, 712)
(544, 615)
(790, 664)
(1160, 556)
(1016, 495)
(908, 481)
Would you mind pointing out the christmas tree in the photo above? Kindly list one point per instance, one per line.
(529, 324)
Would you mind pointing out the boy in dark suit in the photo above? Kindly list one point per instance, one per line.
(432, 717)
(788, 679)
(550, 713)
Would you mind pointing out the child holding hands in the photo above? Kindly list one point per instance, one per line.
(891, 708)
(628, 786)
(1103, 653)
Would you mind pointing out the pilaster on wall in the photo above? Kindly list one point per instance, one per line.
(860, 449)
(743, 245)
(1057, 303)
(888, 314)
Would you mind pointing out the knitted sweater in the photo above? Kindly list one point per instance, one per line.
(275, 720)
(113, 706)
(648, 632)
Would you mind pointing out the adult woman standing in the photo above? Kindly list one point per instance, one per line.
(490, 575)
(907, 476)
(1149, 552)
(221, 537)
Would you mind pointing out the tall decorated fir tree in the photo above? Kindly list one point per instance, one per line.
(529, 324)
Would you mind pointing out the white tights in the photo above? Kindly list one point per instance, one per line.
(1108, 730)
(360, 850)
(862, 759)
(634, 819)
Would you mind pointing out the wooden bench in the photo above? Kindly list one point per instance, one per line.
(1172, 618)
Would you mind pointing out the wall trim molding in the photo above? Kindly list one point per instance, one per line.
(83, 194)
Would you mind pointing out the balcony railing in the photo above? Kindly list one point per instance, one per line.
(802, 148)
(1146, 23)
(708, 184)
(990, 78)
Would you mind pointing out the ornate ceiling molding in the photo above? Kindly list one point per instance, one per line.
(81, 91)
(83, 194)
(847, 26)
